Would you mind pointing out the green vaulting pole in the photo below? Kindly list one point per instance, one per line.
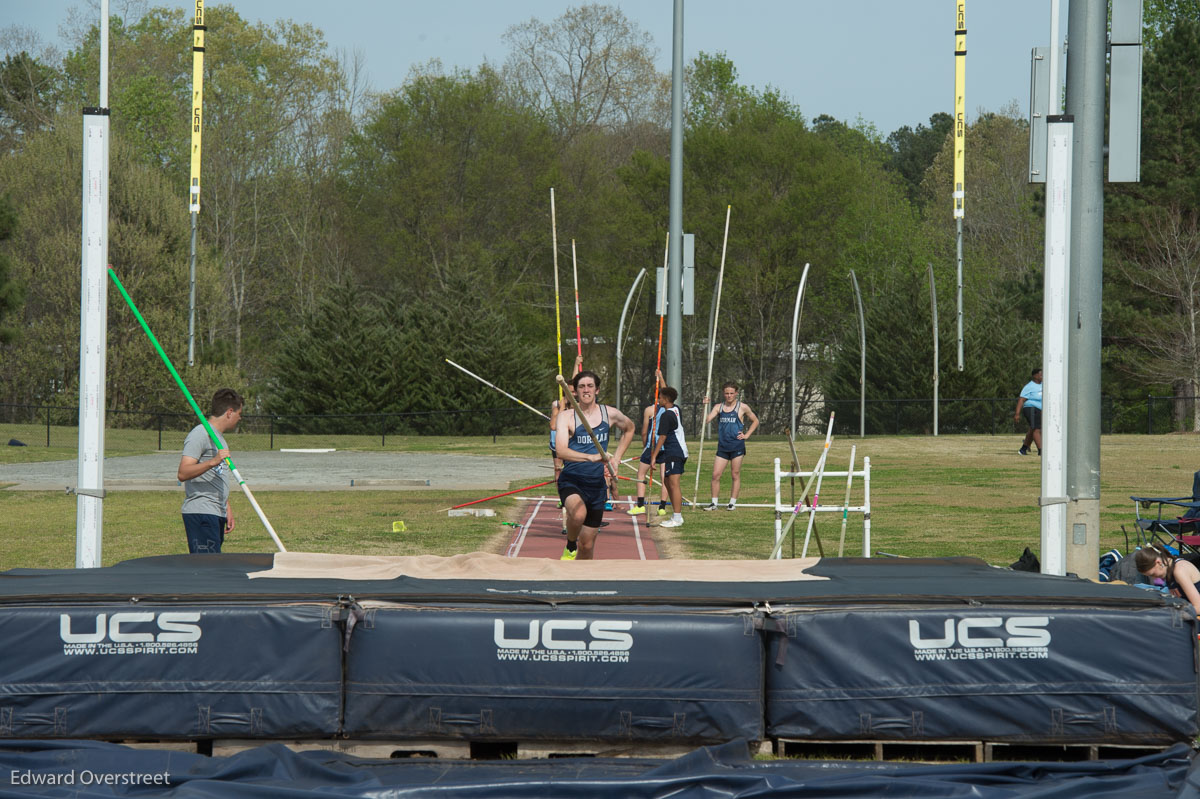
(203, 420)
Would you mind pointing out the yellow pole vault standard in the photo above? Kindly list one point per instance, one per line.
(194, 185)
(960, 103)
(197, 102)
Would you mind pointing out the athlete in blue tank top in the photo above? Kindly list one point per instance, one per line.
(584, 480)
(732, 433)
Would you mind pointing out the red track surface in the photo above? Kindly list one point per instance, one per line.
(540, 534)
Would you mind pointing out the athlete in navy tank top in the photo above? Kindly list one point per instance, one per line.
(732, 433)
(583, 482)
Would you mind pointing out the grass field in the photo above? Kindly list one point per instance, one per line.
(951, 495)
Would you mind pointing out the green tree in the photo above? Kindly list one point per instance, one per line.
(11, 292)
(913, 151)
(1151, 232)
(360, 355)
(28, 93)
(147, 246)
(276, 113)
(798, 195)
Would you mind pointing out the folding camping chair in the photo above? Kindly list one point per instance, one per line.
(1181, 533)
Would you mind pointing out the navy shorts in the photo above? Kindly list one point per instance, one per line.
(205, 532)
(673, 466)
(730, 454)
(645, 456)
(594, 493)
(1033, 416)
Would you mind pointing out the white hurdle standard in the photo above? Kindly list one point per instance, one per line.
(865, 509)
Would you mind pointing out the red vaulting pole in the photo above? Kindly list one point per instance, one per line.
(497, 496)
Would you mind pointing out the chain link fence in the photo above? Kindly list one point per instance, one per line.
(56, 426)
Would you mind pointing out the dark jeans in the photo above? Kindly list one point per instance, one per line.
(205, 533)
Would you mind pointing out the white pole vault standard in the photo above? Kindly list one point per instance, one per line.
(712, 345)
(780, 535)
(492, 385)
(93, 322)
(795, 336)
(557, 309)
(846, 503)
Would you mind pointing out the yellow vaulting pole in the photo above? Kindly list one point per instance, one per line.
(194, 185)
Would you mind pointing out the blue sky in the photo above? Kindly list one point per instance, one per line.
(889, 61)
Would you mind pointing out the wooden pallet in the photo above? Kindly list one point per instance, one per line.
(958, 751)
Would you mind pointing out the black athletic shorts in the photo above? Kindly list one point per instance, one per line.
(673, 465)
(1033, 416)
(730, 454)
(594, 494)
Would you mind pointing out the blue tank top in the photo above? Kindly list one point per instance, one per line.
(582, 442)
(729, 424)
(652, 433)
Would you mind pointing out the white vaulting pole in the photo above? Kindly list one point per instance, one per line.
(575, 279)
(93, 322)
(712, 345)
(795, 337)
(557, 310)
(846, 502)
(492, 385)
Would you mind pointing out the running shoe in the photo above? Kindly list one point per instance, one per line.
(568, 554)
(710, 506)
(1022, 451)
(636, 510)
(731, 506)
(662, 511)
(671, 523)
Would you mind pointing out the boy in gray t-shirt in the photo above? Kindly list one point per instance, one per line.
(207, 516)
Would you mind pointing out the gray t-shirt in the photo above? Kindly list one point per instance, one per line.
(209, 492)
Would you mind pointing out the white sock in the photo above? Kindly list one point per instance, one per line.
(716, 500)
(678, 517)
(732, 502)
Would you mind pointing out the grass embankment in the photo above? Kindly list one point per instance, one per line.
(951, 495)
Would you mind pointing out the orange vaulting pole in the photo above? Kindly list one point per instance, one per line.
(662, 311)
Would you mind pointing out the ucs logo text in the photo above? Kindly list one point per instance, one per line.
(607, 635)
(1020, 632)
(173, 627)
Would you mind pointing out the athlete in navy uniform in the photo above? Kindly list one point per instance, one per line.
(650, 417)
(584, 480)
(731, 441)
(671, 451)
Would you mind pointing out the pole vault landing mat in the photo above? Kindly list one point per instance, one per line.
(540, 535)
(93, 770)
(297, 646)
